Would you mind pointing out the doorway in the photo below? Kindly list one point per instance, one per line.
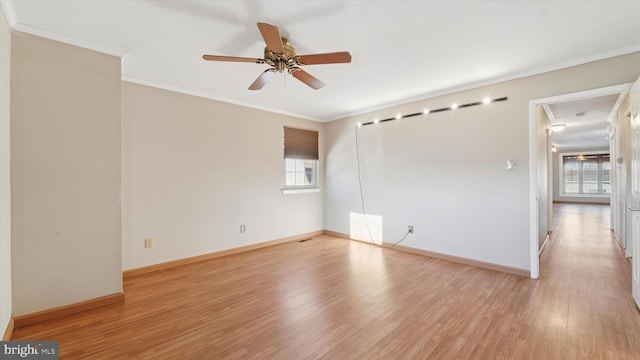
(539, 150)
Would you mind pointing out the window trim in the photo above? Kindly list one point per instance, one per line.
(561, 191)
(287, 191)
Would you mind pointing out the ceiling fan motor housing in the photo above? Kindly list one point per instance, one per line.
(282, 62)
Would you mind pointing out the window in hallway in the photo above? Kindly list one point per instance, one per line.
(586, 174)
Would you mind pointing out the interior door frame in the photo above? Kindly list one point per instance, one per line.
(534, 265)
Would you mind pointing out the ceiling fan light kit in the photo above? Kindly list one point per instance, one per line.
(281, 56)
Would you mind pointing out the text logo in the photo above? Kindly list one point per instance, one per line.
(32, 350)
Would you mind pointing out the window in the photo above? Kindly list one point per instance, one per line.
(586, 174)
(300, 173)
(301, 159)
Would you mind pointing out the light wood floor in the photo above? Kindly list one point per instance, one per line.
(329, 298)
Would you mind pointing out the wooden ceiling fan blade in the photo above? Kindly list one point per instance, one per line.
(271, 36)
(328, 58)
(262, 80)
(307, 78)
(232, 59)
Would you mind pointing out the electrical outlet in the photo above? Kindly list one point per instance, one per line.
(410, 229)
(147, 243)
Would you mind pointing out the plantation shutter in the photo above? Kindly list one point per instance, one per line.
(300, 144)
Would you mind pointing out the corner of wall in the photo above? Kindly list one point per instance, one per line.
(5, 190)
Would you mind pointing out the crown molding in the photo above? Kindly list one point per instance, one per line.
(64, 39)
(9, 12)
(550, 115)
(208, 96)
(16, 25)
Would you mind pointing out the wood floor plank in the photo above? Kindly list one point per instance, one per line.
(331, 298)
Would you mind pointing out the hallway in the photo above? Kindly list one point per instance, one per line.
(587, 281)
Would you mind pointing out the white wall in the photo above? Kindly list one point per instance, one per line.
(544, 186)
(65, 174)
(445, 173)
(195, 169)
(5, 187)
(557, 187)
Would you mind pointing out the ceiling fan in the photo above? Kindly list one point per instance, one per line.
(281, 56)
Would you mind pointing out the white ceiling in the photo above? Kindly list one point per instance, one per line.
(402, 50)
(587, 121)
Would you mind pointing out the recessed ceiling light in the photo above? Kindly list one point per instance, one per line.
(425, 111)
(580, 114)
(376, 121)
(486, 100)
(398, 117)
(454, 106)
(359, 124)
(558, 127)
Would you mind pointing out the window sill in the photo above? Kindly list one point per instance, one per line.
(299, 191)
(602, 196)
